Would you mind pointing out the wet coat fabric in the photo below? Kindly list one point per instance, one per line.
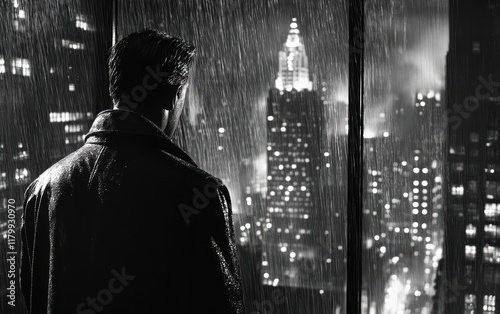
(128, 223)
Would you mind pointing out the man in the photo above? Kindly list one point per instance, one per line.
(129, 223)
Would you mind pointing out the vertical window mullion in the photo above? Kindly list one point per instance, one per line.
(355, 156)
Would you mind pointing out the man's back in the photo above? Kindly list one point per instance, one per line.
(129, 224)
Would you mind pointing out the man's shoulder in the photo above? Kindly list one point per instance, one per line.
(185, 171)
(72, 169)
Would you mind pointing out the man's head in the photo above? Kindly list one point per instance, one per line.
(148, 73)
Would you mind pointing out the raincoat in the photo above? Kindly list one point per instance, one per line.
(128, 223)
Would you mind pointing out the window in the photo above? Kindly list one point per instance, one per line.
(398, 36)
(470, 231)
(469, 274)
(2, 64)
(457, 150)
(491, 168)
(457, 166)
(32, 50)
(72, 44)
(470, 304)
(21, 67)
(22, 176)
(492, 211)
(491, 275)
(492, 135)
(474, 137)
(491, 254)
(69, 116)
(492, 190)
(457, 190)
(75, 128)
(476, 47)
(3, 180)
(470, 252)
(492, 231)
(489, 304)
(472, 188)
(82, 22)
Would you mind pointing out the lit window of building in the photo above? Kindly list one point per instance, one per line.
(489, 304)
(2, 65)
(470, 252)
(81, 22)
(22, 176)
(69, 116)
(21, 67)
(457, 190)
(72, 44)
(3, 181)
(470, 231)
(492, 231)
(491, 187)
(491, 254)
(491, 211)
(74, 128)
(491, 168)
(470, 304)
(21, 155)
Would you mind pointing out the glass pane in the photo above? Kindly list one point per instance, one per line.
(405, 140)
(432, 218)
(266, 112)
(52, 66)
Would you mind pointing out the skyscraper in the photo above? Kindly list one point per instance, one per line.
(402, 210)
(472, 234)
(296, 239)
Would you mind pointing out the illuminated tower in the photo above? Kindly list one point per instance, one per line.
(294, 68)
(296, 239)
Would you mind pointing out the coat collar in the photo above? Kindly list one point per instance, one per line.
(125, 122)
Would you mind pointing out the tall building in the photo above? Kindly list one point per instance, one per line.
(428, 168)
(472, 234)
(403, 206)
(296, 237)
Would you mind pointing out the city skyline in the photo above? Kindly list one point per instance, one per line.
(230, 102)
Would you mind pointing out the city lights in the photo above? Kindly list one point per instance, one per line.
(430, 157)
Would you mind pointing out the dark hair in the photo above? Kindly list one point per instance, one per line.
(148, 64)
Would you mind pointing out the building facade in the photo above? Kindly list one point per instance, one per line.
(296, 239)
(472, 237)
